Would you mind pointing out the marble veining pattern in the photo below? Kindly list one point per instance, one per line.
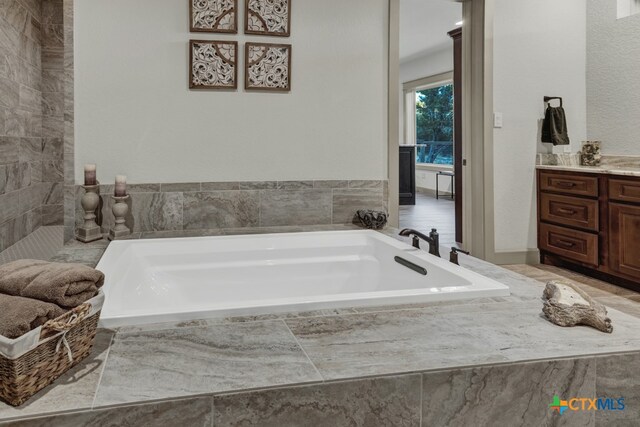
(300, 207)
(190, 412)
(347, 201)
(157, 211)
(189, 361)
(380, 343)
(514, 395)
(221, 209)
(227, 205)
(617, 377)
(381, 402)
(26, 109)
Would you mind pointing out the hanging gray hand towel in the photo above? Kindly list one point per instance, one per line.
(554, 126)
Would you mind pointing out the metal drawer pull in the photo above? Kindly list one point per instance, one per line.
(567, 211)
(566, 243)
(566, 184)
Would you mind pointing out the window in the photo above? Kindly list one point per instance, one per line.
(429, 119)
(434, 125)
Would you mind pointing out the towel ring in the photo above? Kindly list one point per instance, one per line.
(547, 99)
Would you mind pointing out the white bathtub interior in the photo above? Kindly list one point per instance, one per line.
(150, 281)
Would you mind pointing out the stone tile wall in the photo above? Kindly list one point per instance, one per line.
(22, 190)
(52, 111)
(498, 395)
(224, 205)
(68, 113)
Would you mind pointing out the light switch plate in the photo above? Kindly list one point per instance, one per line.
(497, 120)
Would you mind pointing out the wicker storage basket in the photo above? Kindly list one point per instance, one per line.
(33, 361)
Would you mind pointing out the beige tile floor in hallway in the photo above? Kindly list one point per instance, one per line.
(610, 295)
(428, 213)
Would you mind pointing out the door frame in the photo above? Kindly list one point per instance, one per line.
(477, 150)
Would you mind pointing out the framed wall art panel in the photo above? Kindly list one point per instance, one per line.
(213, 64)
(268, 17)
(214, 16)
(267, 67)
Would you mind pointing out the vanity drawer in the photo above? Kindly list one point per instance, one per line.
(576, 245)
(572, 211)
(578, 185)
(624, 190)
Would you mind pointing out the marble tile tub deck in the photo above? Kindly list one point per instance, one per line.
(491, 360)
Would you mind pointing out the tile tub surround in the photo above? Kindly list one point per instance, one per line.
(21, 188)
(497, 353)
(226, 205)
(53, 111)
(31, 165)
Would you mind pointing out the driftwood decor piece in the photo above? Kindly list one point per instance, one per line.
(268, 67)
(214, 16)
(374, 220)
(212, 64)
(566, 305)
(268, 17)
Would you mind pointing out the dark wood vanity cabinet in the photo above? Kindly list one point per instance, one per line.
(407, 175)
(591, 223)
(624, 238)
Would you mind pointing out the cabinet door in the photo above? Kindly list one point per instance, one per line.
(624, 239)
(407, 175)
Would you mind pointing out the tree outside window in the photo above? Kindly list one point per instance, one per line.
(434, 125)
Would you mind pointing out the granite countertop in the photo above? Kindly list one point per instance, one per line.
(604, 169)
(215, 356)
(610, 164)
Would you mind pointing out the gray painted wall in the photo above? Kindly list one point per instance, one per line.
(613, 80)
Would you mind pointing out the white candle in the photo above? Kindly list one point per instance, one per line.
(90, 174)
(121, 186)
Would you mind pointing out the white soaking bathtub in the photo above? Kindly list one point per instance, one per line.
(150, 281)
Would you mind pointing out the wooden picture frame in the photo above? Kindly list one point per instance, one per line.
(256, 23)
(260, 61)
(213, 64)
(212, 16)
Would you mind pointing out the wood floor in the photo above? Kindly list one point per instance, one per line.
(428, 213)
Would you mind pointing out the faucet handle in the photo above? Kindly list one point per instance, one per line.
(453, 256)
(458, 250)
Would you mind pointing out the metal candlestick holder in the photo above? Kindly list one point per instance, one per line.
(120, 210)
(90, 230)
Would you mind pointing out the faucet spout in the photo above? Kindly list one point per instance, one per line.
(433, 239)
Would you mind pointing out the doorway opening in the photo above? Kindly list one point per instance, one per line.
(430, 169)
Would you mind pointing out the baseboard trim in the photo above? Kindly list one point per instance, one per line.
(531, 256)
